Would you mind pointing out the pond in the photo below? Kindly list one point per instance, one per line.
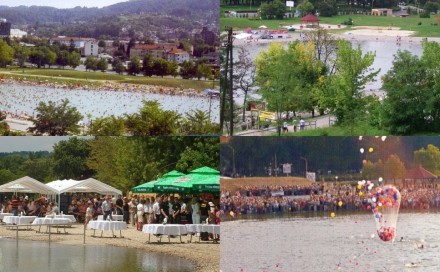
(345, 243)
(21, 99)
(39, 256)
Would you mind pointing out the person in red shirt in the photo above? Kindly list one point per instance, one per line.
(15, 203)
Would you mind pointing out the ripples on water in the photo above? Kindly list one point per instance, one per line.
(38, 256)
(21, 98)
(344, 243)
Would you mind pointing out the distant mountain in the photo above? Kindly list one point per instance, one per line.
(23, 15)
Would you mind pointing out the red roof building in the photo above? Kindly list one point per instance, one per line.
(310, 20)
(419, 175)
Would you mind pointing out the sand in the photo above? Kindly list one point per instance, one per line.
(204, 255)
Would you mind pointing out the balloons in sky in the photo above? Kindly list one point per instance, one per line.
(385, 204)
(332, 215)
(362, 150)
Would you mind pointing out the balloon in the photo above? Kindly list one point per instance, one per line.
(364, 162)
(385, 206)
(383, 138)
(332, 215)
(361, 194)
(370, 150)
(362, 150)
(359, 186)
(231, 213)
(340, 203)
(360, 138)
(380, 179)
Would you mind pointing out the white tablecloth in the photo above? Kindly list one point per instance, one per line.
(107, 225)
(18, 220)
(52, 221)
(169, 229)
(115, 217)
(66, 216)
(4, 214)
(197, 228)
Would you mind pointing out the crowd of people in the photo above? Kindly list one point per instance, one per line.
(137, 210)
(313, 198)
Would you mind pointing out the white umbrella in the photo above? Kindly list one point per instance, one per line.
(262, 27)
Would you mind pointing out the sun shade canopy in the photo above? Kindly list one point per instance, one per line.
(27, 185)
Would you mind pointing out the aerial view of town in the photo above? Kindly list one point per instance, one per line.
(142, 67)
(317, 68)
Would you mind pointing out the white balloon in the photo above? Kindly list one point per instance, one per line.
(362, 150)
(380, 179)
(360, 138)
(383, 138)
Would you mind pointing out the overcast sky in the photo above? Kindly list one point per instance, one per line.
(60, 4)
(29, 143)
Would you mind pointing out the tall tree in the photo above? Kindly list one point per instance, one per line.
(70, 159)
(56, 120)
(244, 74)
(6, 54)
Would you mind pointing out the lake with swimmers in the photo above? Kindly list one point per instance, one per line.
(40, 257)
(21, 99)
(344, 243)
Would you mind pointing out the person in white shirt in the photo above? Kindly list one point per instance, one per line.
(148, 211)
(156, 210)
(195, 206)
(107, 207)
(89, 212)
(140, 215)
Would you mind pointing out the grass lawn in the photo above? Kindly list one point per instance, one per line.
(96, 78)
(408, 23)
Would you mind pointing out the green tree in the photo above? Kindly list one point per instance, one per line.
(63, 58)
(74, 59)
(160, 67)
(119, 67)
(56, 120)
(147, 65)
(6, 54)
(305, 8)
(172, 68)
(429, 158)
(91, 63)
(204, 152)
(244, 74)
(203, 70)
(188, 69)
(152, 120)
(198, 123)
(22, 55)
(107, 126)
(344, 93)
(102, 65)
(274, 10)
(394, 168)
(327, 8)
(70, 159)
(134, 67)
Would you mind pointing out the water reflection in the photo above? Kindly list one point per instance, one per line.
(39, 256)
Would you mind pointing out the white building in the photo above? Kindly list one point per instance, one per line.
(17, 33)
(90, 48)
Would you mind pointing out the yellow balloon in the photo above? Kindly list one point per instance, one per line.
(359, 186)
(231, 213)
(371, 149)
(340, 203)
(361, 194)
(332, 215)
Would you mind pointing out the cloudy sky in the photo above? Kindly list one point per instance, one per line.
(59, 4)
(29, 143)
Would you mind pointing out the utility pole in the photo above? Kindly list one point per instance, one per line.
(228, 84)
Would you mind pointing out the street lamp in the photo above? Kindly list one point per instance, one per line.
(302, 158)
(233, 160)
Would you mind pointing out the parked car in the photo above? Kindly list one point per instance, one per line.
(290, 28)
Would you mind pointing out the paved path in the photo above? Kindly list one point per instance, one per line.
(321, 122)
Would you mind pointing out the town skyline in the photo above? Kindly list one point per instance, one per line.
(60, 4)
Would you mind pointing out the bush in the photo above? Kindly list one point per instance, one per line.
(425, 14)
(348, 22)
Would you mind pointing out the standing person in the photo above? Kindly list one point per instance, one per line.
(107, 207)
(195, 206)
(133, 211)
(140, 215)
(148, 209)
(15, 203)
(156, 210)
(89, 212)
(119, 204)
(126, 211)
(176, 211)
(302, 124)
(183, 212)
(204, 210)
(164, 208)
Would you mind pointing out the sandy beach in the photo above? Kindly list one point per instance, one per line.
(204, 255)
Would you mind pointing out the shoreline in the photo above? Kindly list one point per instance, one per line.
(205, 256)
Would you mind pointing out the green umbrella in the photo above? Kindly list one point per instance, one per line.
(181, 184)
(205, 171)
(149, 186)
(207, 184)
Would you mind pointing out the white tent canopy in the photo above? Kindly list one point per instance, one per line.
(27, 185)
(83, 186)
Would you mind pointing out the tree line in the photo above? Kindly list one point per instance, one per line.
(117, 161)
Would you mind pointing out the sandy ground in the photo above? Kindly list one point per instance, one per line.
(204, 255)
(234, 184)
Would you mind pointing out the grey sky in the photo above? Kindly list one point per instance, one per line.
(29, 143)
(60, 4)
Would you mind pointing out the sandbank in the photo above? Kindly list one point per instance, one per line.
(204, 255)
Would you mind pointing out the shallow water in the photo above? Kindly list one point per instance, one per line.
(38, 256)
(22, 98)
(344, 243)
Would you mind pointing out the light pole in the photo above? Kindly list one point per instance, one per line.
(302, 158)
(233, 160)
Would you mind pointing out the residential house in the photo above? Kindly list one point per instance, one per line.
(90, 48)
